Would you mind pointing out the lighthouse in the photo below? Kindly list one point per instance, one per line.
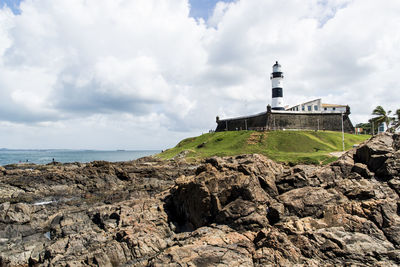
(277, 87)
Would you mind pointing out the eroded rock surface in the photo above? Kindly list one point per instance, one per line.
(232, 211)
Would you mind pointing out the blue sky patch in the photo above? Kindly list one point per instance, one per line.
(199, 8)
(203, 8)
(13, 4)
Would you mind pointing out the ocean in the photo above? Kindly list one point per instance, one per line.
(10, 156)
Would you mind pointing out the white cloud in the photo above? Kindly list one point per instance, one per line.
(67, 67)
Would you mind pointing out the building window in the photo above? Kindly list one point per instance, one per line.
(309, 108)
(334, 108)
(325, 109)
(303, 108)
(297, 108)
(316, 108)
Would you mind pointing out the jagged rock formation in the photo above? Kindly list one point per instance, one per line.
(232, 211)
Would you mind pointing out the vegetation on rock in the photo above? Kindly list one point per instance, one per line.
(292, 147)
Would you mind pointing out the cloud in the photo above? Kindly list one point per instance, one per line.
(148, 65)
(97, 57)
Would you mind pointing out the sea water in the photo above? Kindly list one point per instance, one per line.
(60, 155)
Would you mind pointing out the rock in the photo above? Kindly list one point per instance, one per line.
(336, 242)
(101, 259)
(16, 213)
(362, 170)
(396, 141)
(376, 151)
(360, 189)
(395, 184)
(308, 201)
(390, 168)
(268, 185)
(242, 214)
(4, 207)
(292, 180)
(121, 174)
(326, 176)
(56, 214)
(230, 191)
(376, 161)
(204, 200)
(224, 211)
(209, 246)
(345, 162)
(275, 212)
(275, 248)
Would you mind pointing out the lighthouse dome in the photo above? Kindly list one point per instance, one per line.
(276, 67)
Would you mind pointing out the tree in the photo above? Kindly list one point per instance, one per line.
(397, 121)
(382, 116)
(367, 127)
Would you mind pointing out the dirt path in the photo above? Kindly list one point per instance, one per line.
(255, 138)
(337, 154)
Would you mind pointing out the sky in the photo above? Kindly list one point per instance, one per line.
(144, 74)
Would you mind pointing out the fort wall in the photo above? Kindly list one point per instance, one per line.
(280, 120)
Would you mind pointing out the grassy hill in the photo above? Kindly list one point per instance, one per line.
(294, 147)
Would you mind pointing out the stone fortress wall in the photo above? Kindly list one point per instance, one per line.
(288, 120)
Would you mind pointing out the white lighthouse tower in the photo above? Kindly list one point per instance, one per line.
(277, 87)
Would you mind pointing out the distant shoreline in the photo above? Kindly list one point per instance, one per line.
(72, 149)
(45, 156)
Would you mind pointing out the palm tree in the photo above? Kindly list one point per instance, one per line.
(383, 116)
(397, 122)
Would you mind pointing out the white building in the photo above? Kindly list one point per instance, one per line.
(382, 128)
(317, 106)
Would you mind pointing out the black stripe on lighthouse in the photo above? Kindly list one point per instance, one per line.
(277, 92)
(277, 74)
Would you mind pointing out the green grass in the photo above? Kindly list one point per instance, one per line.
(291, 147)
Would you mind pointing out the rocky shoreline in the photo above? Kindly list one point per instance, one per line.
(232, 211)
